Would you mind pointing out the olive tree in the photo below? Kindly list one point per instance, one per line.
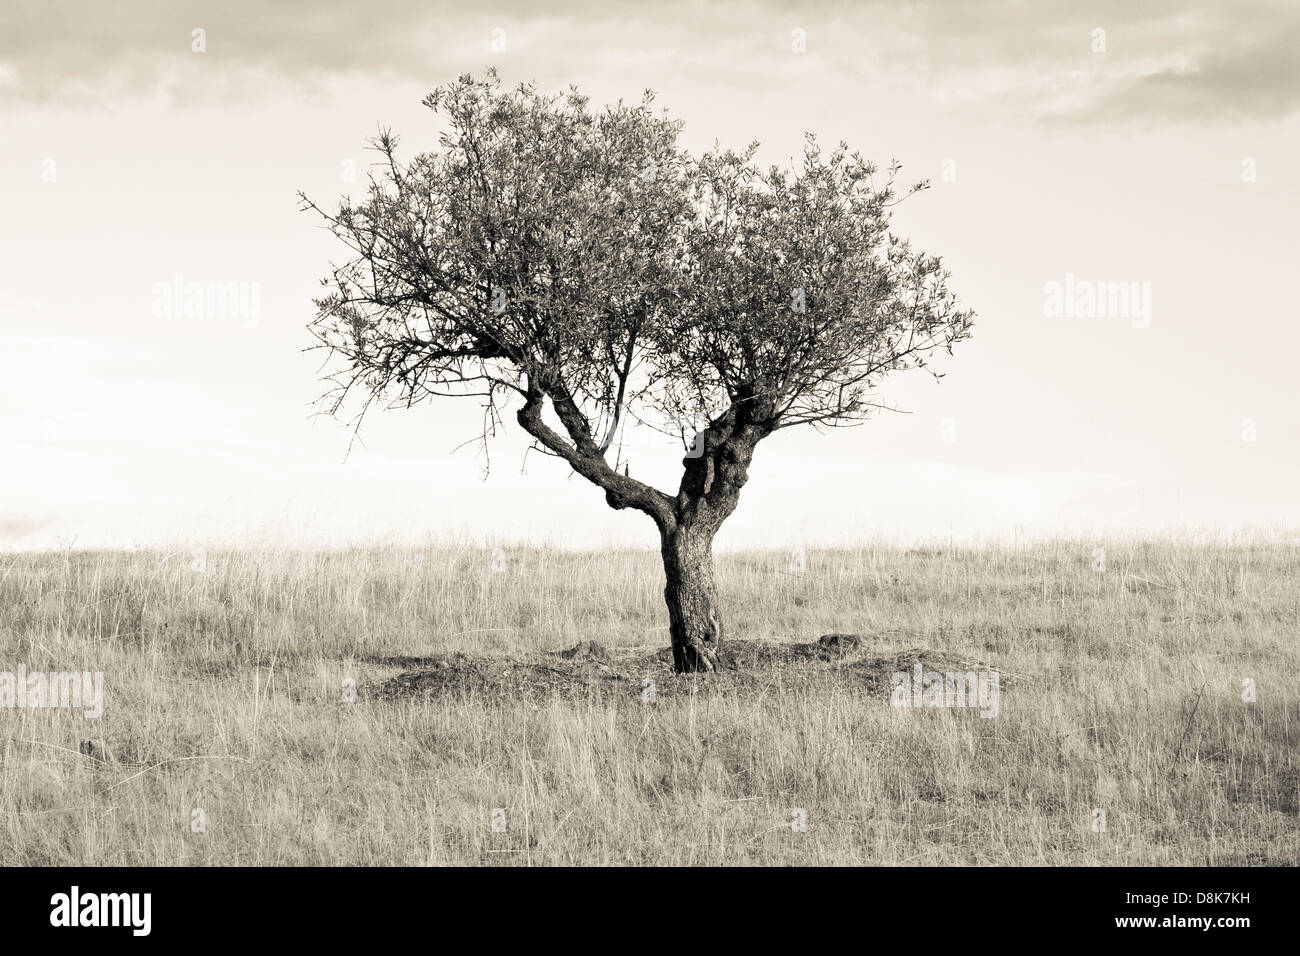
(577, 267)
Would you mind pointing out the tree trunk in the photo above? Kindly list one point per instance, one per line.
(695, 619)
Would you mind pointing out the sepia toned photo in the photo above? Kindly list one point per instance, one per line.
(742, 434)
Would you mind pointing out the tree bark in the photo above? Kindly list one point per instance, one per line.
(695, 617)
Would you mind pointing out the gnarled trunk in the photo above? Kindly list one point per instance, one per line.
(695, 618)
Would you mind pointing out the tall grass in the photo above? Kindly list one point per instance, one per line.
(224, 671)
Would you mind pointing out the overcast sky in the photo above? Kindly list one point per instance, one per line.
(1069, 143)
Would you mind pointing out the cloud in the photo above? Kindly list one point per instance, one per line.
(86, 52)
(1243, 77)
(14, 530)
(1105, 61)
(1164, 59)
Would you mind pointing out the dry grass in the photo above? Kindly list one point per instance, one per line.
(223, 692)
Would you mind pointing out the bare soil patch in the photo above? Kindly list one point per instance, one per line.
(590, 670)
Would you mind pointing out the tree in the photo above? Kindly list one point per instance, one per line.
(580, 267)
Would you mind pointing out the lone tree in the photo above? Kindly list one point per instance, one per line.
(578, 266)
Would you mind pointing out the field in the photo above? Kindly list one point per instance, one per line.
(413, 706)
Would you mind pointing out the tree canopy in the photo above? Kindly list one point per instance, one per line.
(578, 263)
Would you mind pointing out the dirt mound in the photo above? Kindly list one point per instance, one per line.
(589, 670)
(586, 651)
(840, 642)
(461, 675)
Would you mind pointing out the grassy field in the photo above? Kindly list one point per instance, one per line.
(226, 676)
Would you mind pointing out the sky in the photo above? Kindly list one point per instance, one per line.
(1115, 191)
